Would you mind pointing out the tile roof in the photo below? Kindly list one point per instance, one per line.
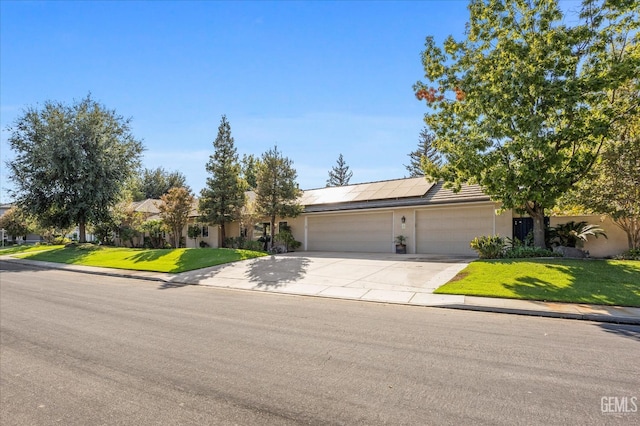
(147, 206)
(408, 192)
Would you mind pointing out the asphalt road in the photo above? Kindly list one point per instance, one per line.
(80, 349)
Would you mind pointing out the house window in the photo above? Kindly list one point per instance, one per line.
(205, 231)
(283, 226)
(261, 229)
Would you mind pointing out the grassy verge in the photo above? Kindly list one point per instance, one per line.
(602, 282)
(25, 248)
(159, 260)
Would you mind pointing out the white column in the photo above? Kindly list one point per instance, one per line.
(494, 220)
(393, 237)
(415, 232)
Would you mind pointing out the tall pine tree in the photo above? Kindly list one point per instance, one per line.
(425, 150)
(223, 198)
(277, 191)
(339, 175)
(249, 170)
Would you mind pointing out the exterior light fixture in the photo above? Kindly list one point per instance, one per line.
(404, 219)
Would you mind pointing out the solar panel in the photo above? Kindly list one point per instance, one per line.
(399, 188)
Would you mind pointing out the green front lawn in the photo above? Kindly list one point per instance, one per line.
(602, 282)
(23, 248)
(158, 260)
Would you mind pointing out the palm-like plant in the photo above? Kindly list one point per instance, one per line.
(572, 233)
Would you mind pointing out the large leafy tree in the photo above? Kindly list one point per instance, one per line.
(174, 211)
(154, 183)
(223, 198)
(72, 162)
(524, 104)
(425, 152)
(339, 175)
(613, 185)
(129, 222)
(277, 192)
(16, 223)
(155, 229)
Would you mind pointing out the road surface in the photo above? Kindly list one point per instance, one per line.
(79, 349)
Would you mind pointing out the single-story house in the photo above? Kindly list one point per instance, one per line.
(149, 210)
(368, 217)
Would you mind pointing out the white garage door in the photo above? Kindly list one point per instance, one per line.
(363, 232)
(449, 230)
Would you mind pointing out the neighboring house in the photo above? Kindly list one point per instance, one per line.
(3, 234)
(209, 234)
(20, 239)
(149, 210)
(367, 217)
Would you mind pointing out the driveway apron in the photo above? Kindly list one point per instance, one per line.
(364, 276)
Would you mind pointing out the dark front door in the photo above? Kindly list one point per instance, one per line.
(523, 225)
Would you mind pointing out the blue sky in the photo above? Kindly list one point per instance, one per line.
(317, 78)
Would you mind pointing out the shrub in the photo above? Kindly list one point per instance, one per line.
(489, 246)
(235, 242)
(59, 240)
(203, 244)
(574, 234)
(253, 245)
(524, 252)
(633, 254)
(285, 237)
(244, 243)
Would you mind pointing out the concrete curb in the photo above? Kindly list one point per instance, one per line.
(548, 314)
(486, 306)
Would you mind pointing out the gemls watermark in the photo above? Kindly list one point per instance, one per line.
(619, 404)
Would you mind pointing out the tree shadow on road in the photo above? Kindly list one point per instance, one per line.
(167, 285)
(623, 330)
(274, 272)
(193, 277)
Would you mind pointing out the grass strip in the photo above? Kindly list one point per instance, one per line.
(153, 260)
(601, 282)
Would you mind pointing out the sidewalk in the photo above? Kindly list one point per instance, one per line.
(277, 278)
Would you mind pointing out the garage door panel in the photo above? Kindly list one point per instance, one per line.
(449, 230)
(350, 232)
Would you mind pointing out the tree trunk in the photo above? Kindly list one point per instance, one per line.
(82, 230)
(536, 211)
(631, 226)
(223, 236)
(273, 231)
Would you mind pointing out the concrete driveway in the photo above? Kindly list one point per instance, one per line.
(407, 278)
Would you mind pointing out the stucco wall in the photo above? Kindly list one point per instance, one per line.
(615, 243)
(460, 231)
(212, 239)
